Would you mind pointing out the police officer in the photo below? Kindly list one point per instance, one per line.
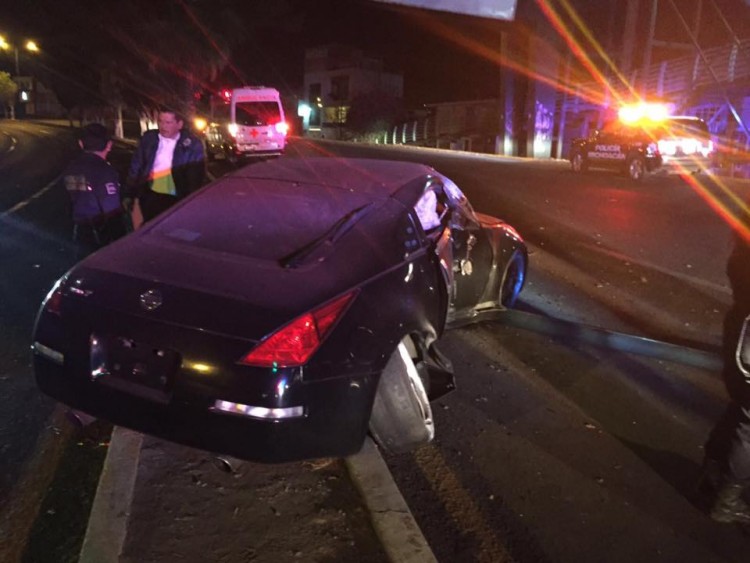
(727, 462)
(94, 189)
(168, 165)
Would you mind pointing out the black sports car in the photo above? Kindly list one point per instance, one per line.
(282, 311)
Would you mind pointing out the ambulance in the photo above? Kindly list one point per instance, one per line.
(256, 125)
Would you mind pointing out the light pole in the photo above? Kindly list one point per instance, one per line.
(30, 46)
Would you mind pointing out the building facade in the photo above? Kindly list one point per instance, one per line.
(334, 75)
(34, 99)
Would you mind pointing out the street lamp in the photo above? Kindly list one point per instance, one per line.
(30, 46)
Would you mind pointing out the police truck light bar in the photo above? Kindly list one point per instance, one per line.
(644, 111)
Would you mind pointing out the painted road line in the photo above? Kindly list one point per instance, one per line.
(393, 521)
(107, 527)
(24, 203)
(462, 507)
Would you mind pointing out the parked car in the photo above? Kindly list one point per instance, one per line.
(281, 312)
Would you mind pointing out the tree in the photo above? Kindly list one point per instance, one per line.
(165, 58)
(8, 90)
(101, 57)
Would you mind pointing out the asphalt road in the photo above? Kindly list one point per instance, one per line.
(35, 250)
(551, 449)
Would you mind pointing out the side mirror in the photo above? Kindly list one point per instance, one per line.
(743, 349)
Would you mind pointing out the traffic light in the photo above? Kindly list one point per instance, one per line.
(226, 95)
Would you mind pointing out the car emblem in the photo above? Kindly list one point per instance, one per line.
(151, 299)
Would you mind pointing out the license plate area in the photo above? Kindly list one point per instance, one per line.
(133, 366)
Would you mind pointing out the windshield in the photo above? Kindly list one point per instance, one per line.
(255, 114)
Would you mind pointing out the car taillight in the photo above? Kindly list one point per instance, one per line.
(282, 127)
(294, 344)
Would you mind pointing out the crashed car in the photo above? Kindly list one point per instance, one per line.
(282, 312)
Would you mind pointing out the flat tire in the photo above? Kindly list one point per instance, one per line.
(401, 418)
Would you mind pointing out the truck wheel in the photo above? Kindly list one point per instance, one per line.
(636, 168)
(401, 417)
(578, 163)
(210, 155)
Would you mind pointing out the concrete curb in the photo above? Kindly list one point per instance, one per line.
(107, 527)
(393, 521)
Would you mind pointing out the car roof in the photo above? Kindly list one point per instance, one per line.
(369, 177)
(244, 224)
(272, 209)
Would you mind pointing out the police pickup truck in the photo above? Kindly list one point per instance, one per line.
(671, 144)
(626, 148)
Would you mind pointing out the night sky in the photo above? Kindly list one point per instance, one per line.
(434, 68)
(423, 45)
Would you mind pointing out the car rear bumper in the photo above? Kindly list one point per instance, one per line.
(262, 148)
(685, 164)
(334, 420)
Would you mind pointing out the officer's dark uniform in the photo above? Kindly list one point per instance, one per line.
(94, 189)
(727, 462)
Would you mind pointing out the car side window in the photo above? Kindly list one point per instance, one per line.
(429, 210)
(462, 215)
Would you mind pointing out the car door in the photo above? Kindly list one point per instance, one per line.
(472, 253)
(464, 245)
(605, 150)
(432, 217)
